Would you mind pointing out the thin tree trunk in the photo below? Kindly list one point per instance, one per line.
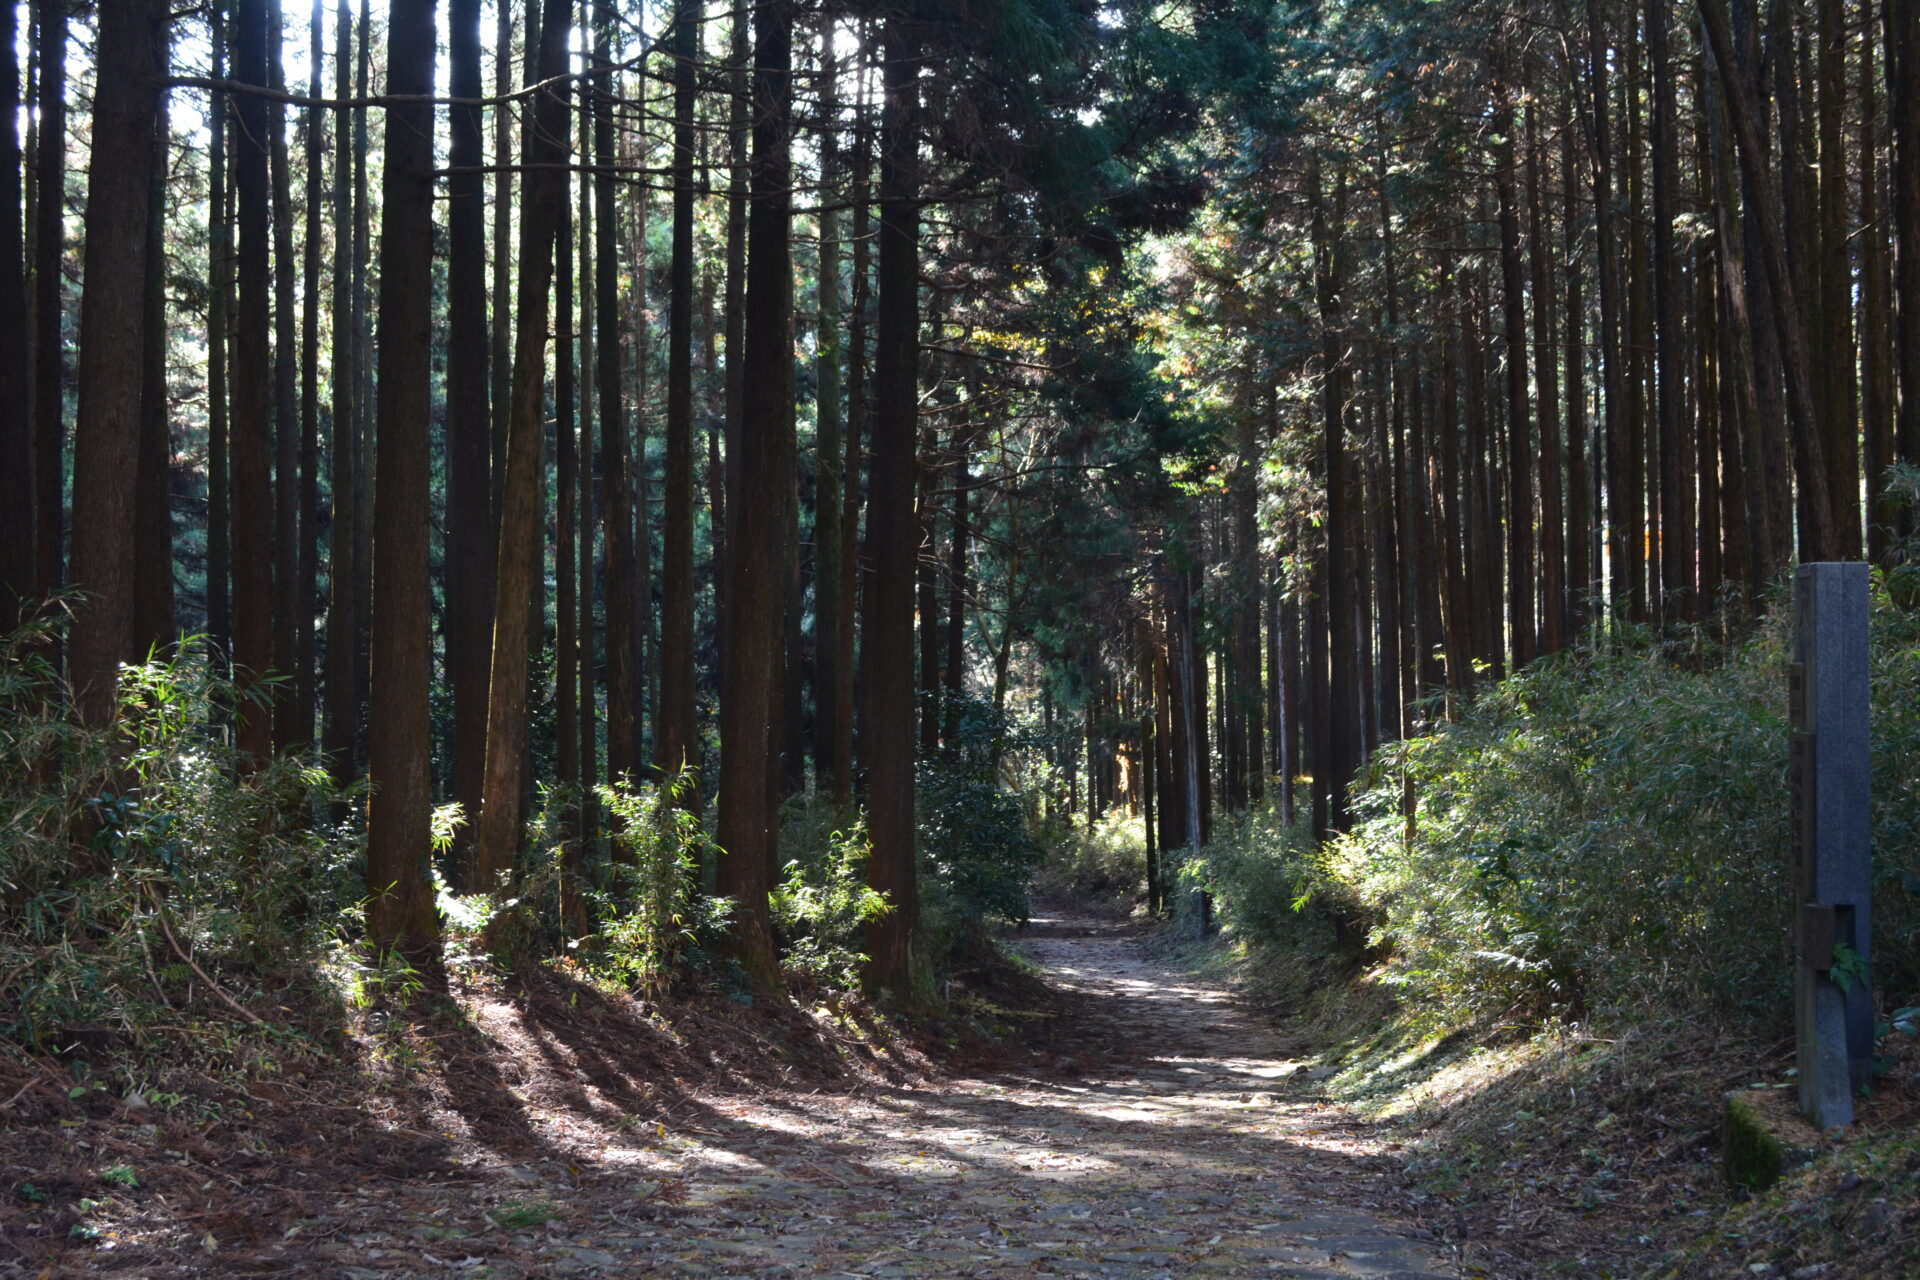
(676, 733)
(1840, 410)
(589, 708)
(287, 727)
(618, 505)
(307, 592)
(1678, 555)
(1521, 567)
(49, 349)
(1341, 697)
(153, 626)
(470, 536)
(253, 504)
(1902, 23)
(343, 570)
(17, 521)
(735, 305)
(851, 576)
(886, 738)
(830, 448)
(1546, 399)
(1876, 307)
(501, 363)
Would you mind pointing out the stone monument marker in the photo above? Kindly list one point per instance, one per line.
(1832, 838)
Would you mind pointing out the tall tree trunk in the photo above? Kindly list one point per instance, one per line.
(735, 305)
(829, 599)
(1553, 550)
(287, 729)
(1876, 308)
(589, 707)
(470, 540)
(1342, 697)
(1822, 542)
(343, 570)
(153, 625)
(1521, 568)
(219, 294)
(306, 663)
(253, 504)
(617, 508)
(886, 738)
(851, 577)
(521, 539)
(17, 521)
(49, 349)
(1681, 600)
(1612, 392)
(1840, 407)
(106, 454)
(400, 909)
(677, 735)
(501, 336)
(757, 558)
(1902, 22)
(928, 604)
(1583, 584)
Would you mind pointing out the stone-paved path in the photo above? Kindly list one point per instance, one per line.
(1174, 1147)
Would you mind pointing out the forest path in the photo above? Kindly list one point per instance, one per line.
(1179, 1141)
(1163, 1150)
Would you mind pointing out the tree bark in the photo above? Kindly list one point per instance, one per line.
(617, 508)
(677, 739)
(17, 520)
(153, 627)
(344, 603)
(757, 559)
(287, 729)
(544, 189)
(829, 511)
(400, 909)
(1522, 571)
(887, 738)
(253, 502)
(49, 349)
(1821, 542)
(107, 430)
(470, 533)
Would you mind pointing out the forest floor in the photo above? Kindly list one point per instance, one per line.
(1136, 1121)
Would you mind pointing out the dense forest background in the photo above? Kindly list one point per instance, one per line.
(657, 482)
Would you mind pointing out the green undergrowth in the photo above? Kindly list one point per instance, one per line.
(1546, 978)
(1853, 1214)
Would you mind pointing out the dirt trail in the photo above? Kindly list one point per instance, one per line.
(1178, 1141)
(1163, 1150)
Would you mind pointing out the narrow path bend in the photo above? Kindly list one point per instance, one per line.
(1163, 1151)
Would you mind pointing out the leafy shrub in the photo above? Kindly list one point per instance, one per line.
(131, 855)
(1610, 826)
(655, 909)
(976, 851)
(823, 902)
(1267, 881)
(1107, 864)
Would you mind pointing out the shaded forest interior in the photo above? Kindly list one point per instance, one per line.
(701, 497)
